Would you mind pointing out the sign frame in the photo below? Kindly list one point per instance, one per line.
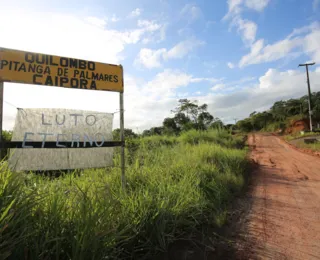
(26, 67)
(37, 145)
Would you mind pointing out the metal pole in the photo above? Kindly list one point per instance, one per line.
(123, 177)
(309, 92)
(1, 118)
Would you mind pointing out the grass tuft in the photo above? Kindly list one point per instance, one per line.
(174, 185)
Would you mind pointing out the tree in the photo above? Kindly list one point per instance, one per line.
(128, 134)
(260, 120)
(181, 120)
(252, 114)
(156, 130)
(189, 115)
(294, 107)
(190, 109)
(170, 127)
(146, 133)
(278, 110)
(204, 120)
(281, 111)
(245, 125)
(6, 135)
(217, 124)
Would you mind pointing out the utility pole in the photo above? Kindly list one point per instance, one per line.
(309, 92)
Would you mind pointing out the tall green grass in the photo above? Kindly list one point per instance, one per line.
(174, 185)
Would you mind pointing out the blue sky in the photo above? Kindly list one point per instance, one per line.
(237, 55)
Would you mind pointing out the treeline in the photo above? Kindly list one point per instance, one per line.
(280, 114)
(187, 115)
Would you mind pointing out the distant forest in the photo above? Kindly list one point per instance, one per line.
(190, 115)
(282, 113)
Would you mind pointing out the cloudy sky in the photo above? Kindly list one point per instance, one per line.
(237, 56)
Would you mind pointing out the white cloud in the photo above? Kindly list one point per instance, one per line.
(191, 11)
(97, 21)
(148, 105)
(303, 30)
(273, 86)
(149, 58)
(245, 27)
(114, 18)
(182, 49)
(147, 29)
(99, 44)
(230, 65)
(157, 32)
(311, 44)
(297, 41)
(75, 37)
(153, 58)
(149, 25)
(197, 80)
(234, 8)
(136, 12)
(257, 5)
(218, 87)
(165, 83)
(102, 23)
(232, 85)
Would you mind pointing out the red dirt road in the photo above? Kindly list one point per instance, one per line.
(284, 221)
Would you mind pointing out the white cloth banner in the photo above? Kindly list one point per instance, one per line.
(60, 125)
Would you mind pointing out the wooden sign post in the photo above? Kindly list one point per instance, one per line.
(44, 69)
(1, 118)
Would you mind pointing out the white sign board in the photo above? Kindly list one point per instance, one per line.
(61, 125)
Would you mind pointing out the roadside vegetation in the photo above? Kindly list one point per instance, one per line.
(312, 146)
(281, 115)
(177, 182)
(298, 135)
(288, 118)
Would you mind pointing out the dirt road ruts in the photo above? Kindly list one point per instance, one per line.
(284, 220)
